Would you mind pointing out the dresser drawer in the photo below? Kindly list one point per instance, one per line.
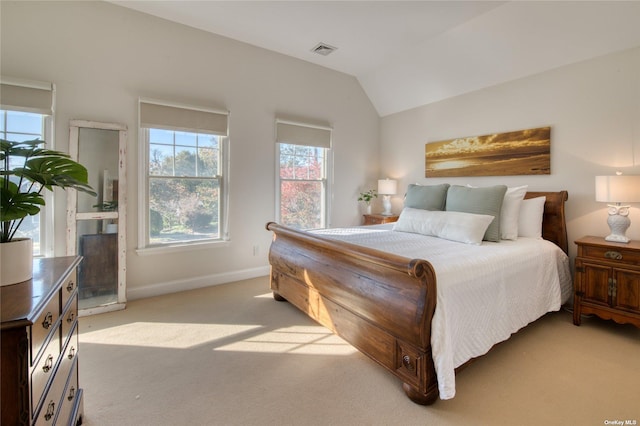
(619, 254)
(68, 287)
(69, 396)
(52, 399)
(44, 325)
(44, 368)
(70, 353)
(69, 318)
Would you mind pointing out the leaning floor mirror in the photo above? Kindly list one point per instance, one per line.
(96, 226)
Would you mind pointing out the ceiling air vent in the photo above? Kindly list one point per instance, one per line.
(323, 49)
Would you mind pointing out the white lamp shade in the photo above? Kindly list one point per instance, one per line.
(618, 189)
(387, 186)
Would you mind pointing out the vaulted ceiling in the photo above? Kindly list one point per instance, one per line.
(411, 53)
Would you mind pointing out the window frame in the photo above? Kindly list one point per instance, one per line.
(47, 224)
(327, 186)
(144, 245)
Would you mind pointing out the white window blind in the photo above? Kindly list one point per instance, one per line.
(26, 96)
(153, 115)
(302, 134)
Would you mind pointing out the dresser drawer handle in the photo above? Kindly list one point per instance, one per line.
(72, 352)
(70, 286)
(48, 320)
(71, 317)
(72, 393)
(48, 365)
(51, 410)
(614, 255)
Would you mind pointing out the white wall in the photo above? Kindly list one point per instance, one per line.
(102, 58)
(593, 108)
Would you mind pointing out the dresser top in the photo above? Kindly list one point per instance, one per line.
(23, 302)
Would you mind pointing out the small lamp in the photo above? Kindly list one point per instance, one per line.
(387, 188)
(618, 189)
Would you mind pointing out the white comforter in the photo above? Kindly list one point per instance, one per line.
(485, 293)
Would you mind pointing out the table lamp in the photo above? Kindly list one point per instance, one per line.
(387, 188)
(618, 189)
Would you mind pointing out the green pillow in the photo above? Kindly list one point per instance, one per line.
(426, 197)
(487, 200)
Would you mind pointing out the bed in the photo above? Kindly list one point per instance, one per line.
(384, 302)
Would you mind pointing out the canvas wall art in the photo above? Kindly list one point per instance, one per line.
(523, 152)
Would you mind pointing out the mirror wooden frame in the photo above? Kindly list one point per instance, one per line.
(119, 214)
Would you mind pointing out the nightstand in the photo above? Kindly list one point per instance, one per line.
(377, 219)
(607, 280)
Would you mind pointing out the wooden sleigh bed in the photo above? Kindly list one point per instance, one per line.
(380, 303)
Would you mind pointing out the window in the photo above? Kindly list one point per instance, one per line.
(302, 178)
(184, 175)
(26, 114)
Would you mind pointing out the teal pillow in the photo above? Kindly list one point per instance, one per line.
(487, 200)
(426, 197)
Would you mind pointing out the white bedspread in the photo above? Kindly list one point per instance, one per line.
(485, 293)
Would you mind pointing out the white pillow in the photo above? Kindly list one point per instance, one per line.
(530, 218)
(511, 212)
(463, 227)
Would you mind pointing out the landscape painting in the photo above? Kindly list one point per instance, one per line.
(523, 152)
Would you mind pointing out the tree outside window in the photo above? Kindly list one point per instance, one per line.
(302, 176)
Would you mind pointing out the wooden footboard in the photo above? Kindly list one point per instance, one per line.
(380, 303)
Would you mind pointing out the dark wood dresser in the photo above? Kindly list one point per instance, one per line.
(40, 346)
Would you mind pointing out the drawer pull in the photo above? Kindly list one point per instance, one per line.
(71, 317)
(51, 410)
(613, 255)
(72, 352)
(48, 320)
(70, 286)
(72, 393)
(48, 365)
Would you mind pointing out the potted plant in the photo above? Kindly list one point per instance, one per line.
(26, 169)
(109, 206)
(367, 197)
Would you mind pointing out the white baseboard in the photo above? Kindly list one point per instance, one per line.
(169, 287)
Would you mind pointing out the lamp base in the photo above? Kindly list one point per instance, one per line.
(618, 224)
(386, 203)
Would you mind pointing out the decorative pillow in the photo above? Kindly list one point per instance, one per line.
(530, 217)
(487, 201)
(426, 197)
(455, 226)
(510, 212)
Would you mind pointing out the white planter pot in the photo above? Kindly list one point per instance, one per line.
(16, 260)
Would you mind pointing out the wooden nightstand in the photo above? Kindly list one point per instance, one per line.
(377, 219)
(607, 280)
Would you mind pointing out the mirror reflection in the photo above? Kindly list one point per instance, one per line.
(98, 271)
(98, 152)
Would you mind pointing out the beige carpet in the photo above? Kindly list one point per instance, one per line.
(231, 355)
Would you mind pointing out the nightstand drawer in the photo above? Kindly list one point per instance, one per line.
(378, 219)
(618, 254)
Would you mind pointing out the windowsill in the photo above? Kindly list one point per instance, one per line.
(180, 248)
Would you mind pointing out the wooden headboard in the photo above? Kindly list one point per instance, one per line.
(554, 225)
